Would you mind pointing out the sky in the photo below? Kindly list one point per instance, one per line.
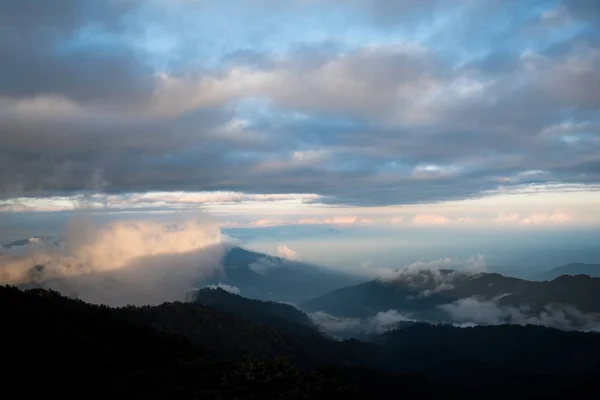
(453, 127)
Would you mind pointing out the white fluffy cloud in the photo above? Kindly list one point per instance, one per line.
(225, 287)
(434, 271)
(287, 253)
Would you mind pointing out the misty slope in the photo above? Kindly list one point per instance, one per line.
(424, 294)
(592, 270)
(418, 292)
(264, 277)
(580, 291)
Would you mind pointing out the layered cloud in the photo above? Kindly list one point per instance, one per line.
(535, 218)
(392, 103)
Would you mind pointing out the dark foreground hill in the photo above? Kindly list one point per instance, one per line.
(187, 350)
(55, 346)
(280, 316)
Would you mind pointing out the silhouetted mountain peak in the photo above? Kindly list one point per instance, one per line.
(265, 277)
(279, 315)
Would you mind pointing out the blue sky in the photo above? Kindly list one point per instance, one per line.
(361, 114)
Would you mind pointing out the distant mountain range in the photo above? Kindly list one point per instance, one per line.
(456, 297)
(592, 270)
(446, 296)
(191, 350)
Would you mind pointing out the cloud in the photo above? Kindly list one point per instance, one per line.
(50, 50)
(159, 102)
(433, 219)
(122, 262)
(430, 219)
(286, 253)
(558, 16)
(435, 276)
(335, 220)
(472, 310)
(386, 320)
(535, 218)
(225, 287)
(352, 327)
(507, 218)
(557, 217)
(193, 200)
(336, 325)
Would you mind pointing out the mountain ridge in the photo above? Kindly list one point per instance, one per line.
(445, 296)
(178, 348)
(592, 270)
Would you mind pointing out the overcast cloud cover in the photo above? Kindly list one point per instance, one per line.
(356, 102)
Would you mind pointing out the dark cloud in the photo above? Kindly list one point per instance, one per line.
(70, 48)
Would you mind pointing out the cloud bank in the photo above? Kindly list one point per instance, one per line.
(123, 262)
(472, 310)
